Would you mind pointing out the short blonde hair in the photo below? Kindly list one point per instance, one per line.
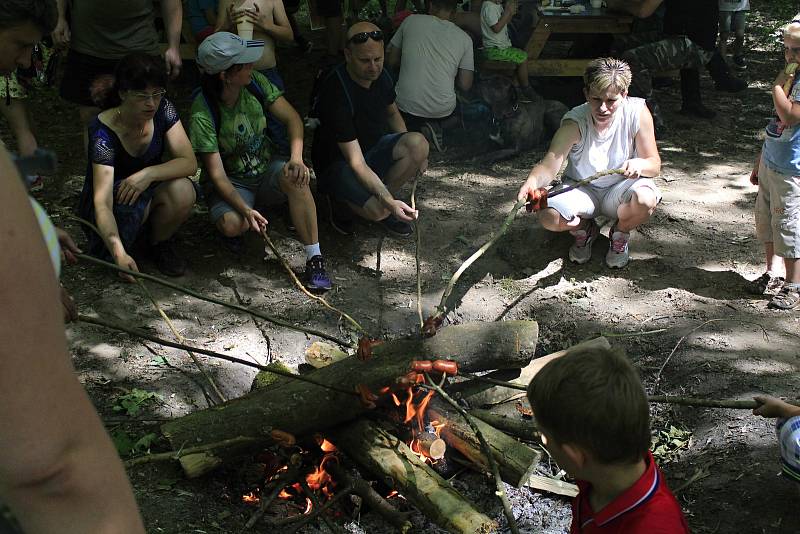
(605, 72)
(792, 30)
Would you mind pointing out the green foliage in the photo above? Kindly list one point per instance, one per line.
(132, 402)
(128, 444)
(765, 20)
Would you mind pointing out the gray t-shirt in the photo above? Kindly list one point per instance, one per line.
(432, 52)
(113, 29)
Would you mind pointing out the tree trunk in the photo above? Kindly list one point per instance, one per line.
(301, 408)
(389, 459)
(515, 460)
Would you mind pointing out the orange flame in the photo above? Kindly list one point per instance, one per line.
(327, 446)
(250, 498)
(285, 495)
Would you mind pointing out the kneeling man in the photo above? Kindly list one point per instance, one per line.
(609, 131)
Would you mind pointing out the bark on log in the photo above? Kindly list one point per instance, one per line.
(301, 407)
(388, 458)
(514, 425)
(515, 460)
(498, 394)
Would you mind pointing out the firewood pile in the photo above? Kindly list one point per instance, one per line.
(403, 414)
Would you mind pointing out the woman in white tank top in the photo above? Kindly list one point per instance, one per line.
(609, 131)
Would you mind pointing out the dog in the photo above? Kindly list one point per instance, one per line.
(518, 125)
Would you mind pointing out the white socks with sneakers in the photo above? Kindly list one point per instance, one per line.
(312, 250)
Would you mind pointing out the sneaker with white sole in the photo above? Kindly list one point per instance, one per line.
(581, 251)
(617, 256)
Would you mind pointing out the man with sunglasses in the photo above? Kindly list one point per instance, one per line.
(362, 152)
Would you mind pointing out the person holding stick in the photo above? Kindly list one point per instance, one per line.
(787, 427)
(609, 131)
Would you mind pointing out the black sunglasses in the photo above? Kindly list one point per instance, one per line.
(361, 38)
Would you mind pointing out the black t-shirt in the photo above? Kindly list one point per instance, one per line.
(348, 111)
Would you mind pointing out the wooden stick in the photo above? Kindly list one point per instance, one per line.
(711, 403)
(181, 339)
(206, 352)
(197, 295)
(418, 240)
(501, 490)
(313, 496)
(175, 455)
(303, 289)
(281, 481)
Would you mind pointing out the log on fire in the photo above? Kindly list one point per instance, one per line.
(394, 463)
(302, 408)
(516, 461)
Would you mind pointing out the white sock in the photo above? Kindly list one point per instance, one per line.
(312, 250)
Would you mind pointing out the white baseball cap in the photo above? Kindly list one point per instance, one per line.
(222, 50)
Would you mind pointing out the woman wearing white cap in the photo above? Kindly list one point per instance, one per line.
(228, 130)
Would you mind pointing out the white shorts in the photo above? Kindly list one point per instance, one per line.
(589, 201)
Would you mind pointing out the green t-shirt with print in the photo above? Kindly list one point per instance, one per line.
(243, 143)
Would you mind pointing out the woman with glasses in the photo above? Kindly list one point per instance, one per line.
(137, 186)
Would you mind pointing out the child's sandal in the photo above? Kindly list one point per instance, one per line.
(765, 284)
(787, 299)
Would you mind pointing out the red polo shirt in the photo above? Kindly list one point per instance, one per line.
(647, 507)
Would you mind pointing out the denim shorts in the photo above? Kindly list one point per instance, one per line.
(266, 193)
(732, 22)
(589, 201)
(342, 183)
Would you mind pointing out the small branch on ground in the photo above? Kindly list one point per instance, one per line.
(280, 482)
(711, 403)
(176, 455)
(695, 329)
(315, 501)
(143, 335)
(305, 291)
(418, 241)
(487, 451)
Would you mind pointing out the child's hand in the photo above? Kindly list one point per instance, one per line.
(773, 407)
(511, 7)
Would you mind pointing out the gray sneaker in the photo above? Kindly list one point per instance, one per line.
(581, 251)
(617, 256)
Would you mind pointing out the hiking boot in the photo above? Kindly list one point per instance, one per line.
(316, 276)
(617, 256)
(340, 216)
(739, 63)
(433, 133)
(697, 109)
(166, 260)
(721, 73)
(396, 227)
(788, 298)
(581, 251)
(234, 245)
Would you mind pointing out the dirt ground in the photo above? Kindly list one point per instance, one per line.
(681, 299)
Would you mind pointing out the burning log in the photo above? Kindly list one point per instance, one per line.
(302, 408)
(391, 460)
(515, 460)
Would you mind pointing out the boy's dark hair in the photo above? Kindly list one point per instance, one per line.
(134, 72)
(593, 398)
(41, 13)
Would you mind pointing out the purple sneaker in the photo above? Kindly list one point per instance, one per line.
(316, 276)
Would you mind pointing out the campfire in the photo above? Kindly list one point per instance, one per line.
(390, 415)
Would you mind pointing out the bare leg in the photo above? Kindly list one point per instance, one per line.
(302, 210)
(551, 220)
(231, 224)
(636, 211)
(171, 206)
(774, 263)
(723, 43)
(19, 123)
(792, 270)
(522, 74)
(738, 45)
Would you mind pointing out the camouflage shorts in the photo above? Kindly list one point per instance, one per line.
(9, 85)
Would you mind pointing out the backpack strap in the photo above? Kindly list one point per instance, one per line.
(257, 92)
(339, 74)
(213, 109)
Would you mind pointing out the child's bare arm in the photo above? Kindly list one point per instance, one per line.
(773, 407)
(224, 22)
(787, 109)
(505, 18)
(754, 172)
(270, 16)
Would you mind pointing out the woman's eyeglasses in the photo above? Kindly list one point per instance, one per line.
(144, 97)
(361, 38)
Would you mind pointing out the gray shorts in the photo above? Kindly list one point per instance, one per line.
(732, 22)
(590, 201)
(778, 211)
(267, 193)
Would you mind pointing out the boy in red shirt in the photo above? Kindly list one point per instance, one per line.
(592, 411)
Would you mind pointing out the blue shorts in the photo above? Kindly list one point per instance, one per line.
(342, 183)
(267, 193)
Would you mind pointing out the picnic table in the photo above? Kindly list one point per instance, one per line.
(559, 23)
